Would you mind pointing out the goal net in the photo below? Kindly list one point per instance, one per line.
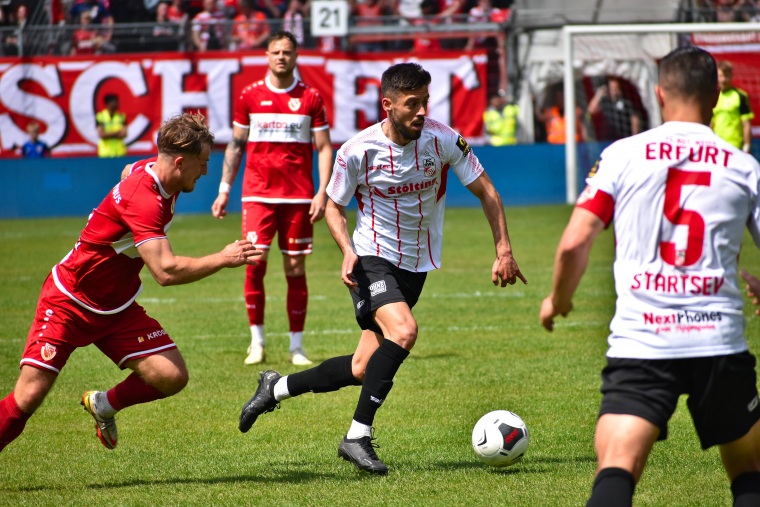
(609, 74)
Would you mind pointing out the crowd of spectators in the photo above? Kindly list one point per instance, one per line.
(203, 25)
(104, 26)
(727, 11)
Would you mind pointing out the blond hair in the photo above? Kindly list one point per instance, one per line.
(186, 133)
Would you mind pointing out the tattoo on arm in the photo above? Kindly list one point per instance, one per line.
(234, 154)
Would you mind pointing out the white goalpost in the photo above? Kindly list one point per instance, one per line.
(631, 50)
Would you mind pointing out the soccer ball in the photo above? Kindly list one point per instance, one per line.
(500, 438)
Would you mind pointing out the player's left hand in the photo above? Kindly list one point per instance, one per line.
(549, 311)
(505, 271)
(753, 288)
(317, 208)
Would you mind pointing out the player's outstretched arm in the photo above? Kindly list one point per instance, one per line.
(505, 270)
(170, 269)
(325, 165)
(337, 222)
(233, 155)
(570, 264)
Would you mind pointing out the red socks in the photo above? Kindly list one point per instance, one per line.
(132, 391)
(255, 297)
(298, 297)
(254, 292)
(12, 420)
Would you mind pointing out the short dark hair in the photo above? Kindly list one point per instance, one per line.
(282, 34)
(184, 134)
(403, 77)
(110, 97)
(689, 72)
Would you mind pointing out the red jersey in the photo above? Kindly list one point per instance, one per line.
(102, 272)
(280, 123)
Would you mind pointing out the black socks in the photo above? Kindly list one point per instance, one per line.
(613, 487)
(326, 377)
(378, 380)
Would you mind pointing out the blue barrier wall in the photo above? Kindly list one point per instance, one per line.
(524, 175)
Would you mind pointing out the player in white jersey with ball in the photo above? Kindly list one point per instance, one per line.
(680, 199)
(397, 170)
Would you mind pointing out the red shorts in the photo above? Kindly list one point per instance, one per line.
(60, 326)
(290, 221)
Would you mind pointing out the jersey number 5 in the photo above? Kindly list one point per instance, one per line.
(669, 251)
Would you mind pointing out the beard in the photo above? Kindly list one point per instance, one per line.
(405, 132)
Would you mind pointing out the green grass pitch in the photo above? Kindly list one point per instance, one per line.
(480, 348)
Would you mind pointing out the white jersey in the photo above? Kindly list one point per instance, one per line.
(681, 198)
(401, 191)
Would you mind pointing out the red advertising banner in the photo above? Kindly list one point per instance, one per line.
(64, 94)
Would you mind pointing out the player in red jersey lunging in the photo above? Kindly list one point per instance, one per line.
(90, 296)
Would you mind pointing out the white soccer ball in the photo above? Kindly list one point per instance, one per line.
(500, 438)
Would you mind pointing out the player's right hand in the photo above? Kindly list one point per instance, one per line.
(347, 269)
(219, 208)
(549, 311)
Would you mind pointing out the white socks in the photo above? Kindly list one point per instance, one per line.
(103, 407)
(296, 340)
(358, 430)
(281, 389)
(257, 335)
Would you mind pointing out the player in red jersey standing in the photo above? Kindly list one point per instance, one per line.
(89, 297)
(273, 123)
(680, 198)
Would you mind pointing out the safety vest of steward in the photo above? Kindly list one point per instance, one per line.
(113, 147)
(502, 126)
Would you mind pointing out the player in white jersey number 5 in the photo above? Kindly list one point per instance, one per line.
(397, 170)
(680, 199)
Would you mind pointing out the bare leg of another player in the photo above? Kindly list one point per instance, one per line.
(623, 443)
(741, 459)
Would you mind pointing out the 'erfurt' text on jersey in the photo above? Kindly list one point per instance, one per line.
(401, 191)
(680, 198)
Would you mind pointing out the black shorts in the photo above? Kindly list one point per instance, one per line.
(382, 283)
(722, 393)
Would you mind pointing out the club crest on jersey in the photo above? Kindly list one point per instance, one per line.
(48, 352)
(294, 104)
(429, 165)
(588, 193)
